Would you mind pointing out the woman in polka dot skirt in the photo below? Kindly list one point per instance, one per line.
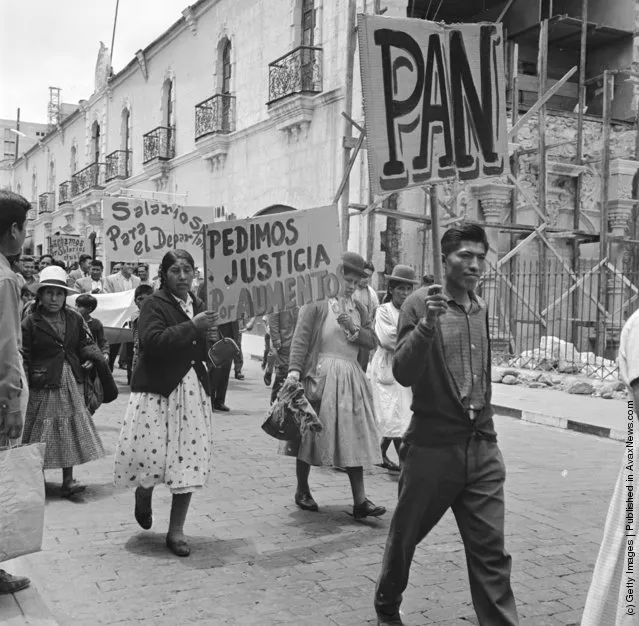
(167, 432)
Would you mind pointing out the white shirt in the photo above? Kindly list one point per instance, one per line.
(187, 306)
(96, 284)
(628, 359)
(127, 282)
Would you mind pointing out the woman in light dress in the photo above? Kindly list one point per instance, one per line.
(613, 597)
(166, 436)
(392, 401)
(329, 338)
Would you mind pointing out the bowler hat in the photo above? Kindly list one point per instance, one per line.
(52, 276)
(354, 263)
(403, 274)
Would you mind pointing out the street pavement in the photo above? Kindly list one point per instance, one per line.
(257, 559)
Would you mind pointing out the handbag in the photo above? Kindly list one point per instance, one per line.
(223, 352)
(21, 500)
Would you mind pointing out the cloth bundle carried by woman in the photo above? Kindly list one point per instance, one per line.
(291, 415)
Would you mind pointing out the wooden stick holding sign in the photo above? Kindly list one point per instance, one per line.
(434, 223)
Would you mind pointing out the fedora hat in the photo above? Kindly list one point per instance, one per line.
(52, 276)
(354, 263)
(403, 274)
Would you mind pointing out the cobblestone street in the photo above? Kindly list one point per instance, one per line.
(257, 559)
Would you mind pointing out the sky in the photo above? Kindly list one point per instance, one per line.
(55, 43)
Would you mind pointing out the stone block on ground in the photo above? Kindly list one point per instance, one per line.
(582, 388)
(510, 380)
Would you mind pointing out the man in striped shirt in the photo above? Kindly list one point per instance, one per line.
(449, 454)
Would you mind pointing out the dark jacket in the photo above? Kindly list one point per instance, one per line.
(170, 345)
(44, 352)
(308, 334)
(439, 416)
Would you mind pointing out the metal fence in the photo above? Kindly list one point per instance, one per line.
(550, 318)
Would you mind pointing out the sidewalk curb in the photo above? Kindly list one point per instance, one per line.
(544, 419)
(564, 423)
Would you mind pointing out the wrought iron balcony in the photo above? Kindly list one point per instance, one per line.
(299, 71)
(159, 144)
(215, 115)
(64, 192)
(91, 177)
(118, 165)
(46, 202)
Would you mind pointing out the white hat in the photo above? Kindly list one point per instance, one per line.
(52, 276)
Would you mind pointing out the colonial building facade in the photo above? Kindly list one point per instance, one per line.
(238, 107)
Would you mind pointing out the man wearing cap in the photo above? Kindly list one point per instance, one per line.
(14, 390)
(449, 454)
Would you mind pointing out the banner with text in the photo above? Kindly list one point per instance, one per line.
(67, 248)
(434, 101)
(265, 264)
(136, 229)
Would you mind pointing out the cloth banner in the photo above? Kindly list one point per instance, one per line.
(145, 230)
(21, 500)
(271, 263)
(114, 311)
(434, 101)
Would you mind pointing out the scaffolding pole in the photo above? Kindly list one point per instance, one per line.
(581, 103)
(543, 81)
(603, 227)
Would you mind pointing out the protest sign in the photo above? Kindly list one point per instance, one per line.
(67, 248)
(136, 229)
(434, 100)
(271, 263)
(114, 310)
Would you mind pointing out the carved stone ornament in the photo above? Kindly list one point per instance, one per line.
(214, 148)
(102, 68)
(191, 19)
(293, 115)
(141, 59)
(494, 199)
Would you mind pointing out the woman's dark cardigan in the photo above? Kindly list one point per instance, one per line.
(170, 345)
(44, 351)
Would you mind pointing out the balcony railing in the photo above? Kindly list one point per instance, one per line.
(46, 202)
(118, 165)
(299, 71)
(91, 177)
(64, 192)
(215, 115)
(159, 144)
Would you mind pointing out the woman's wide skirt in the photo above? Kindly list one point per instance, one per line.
(166, 440)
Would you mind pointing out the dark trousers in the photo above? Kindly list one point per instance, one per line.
(114, 350)
(238, 361)
(219, 378)
(468, 477)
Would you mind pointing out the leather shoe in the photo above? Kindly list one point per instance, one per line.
(367, 509)
(384, 620)
(179, 547)
(221, 407)
(143, 518)
(12, 584)
(305, 502)
(239, 376)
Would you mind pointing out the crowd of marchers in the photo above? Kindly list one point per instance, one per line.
(413, 371)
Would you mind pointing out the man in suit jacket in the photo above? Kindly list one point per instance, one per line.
(124, 280)
(94, 282)
(82, 271)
